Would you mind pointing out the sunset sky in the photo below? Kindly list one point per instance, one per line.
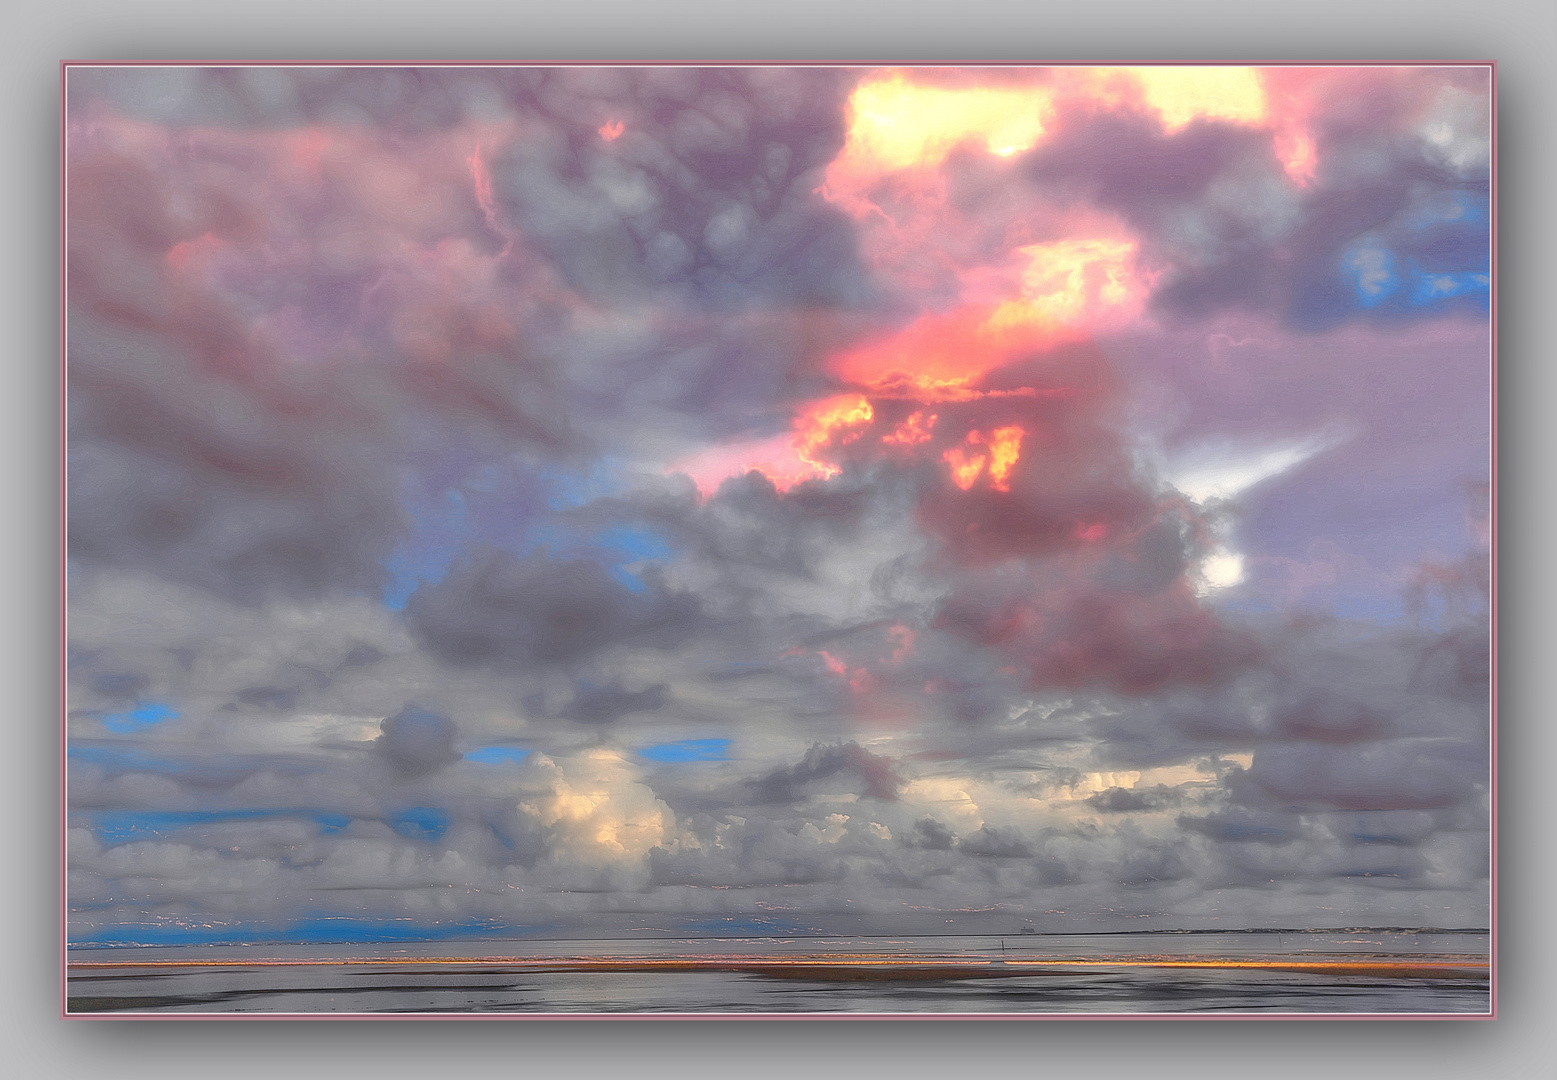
(756, 500)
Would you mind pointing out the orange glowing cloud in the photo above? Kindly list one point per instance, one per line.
(897, 124)
(786, 459)
(1014, 300)
(775, 457)
(900, 122)
(912, 431)
(1074, 283)
(902, 129)
(1067, 288)
(1001, 299)
(1004, 450)
(822, 420)
(1282, 100)
(611, 131)
(1273, 98)
(1182, 94)
(1295, 150)
(965, 466)
(1297, 95)
(941, 352)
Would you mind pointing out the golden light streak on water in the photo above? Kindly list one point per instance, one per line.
(844, 964)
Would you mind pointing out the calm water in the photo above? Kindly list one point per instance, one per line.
(1120, 973)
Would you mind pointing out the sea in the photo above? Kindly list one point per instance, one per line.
(1363, 973)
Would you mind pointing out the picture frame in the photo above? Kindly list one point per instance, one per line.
(498, 413)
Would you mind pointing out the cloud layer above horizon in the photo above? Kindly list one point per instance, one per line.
(583, 499)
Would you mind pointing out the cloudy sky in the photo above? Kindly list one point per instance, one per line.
(757, 499)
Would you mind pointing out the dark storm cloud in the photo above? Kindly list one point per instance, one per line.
(1151, 865)
(1243, 826)
(363, 655)
(706, 189)
(1157, 732)
(1154, 180)
(228, 426)
(404, 99)
(308, 453)
(1458, 665)
(603, 705)
(931, 835)
(289, 683)
(1126, 162)
(699, 229)
(747, 523)
(1076, 564)
(763, 853)
(209, 488)
(1351, 747)
(872, 775)
(308, 218)
(1261, 852)
(1072, 636)
(997, 843)
(125, 685)
(417, 741)
(1398, 775)
(523, 614)
(1330, 718)
(1341, 234)
(1076, 475)
(1116, 800)
(1211, 201)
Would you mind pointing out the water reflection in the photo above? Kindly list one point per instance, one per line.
(1398, 973)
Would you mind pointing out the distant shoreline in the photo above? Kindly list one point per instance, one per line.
(672, 935)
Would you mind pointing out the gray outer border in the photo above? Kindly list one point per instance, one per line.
(1520, 35)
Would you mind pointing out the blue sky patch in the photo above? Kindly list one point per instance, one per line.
(1372, 273)
(572, 488)
(630, 546)
(114, 759)
(440, 529)
(1433, 288)
(498, 755)
(615, 548)
(142, 716)
(688, 750)
(318, 931)
(490, 506)
(127, 826)
(1379, 279)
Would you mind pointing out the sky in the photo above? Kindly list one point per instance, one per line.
(776, 500)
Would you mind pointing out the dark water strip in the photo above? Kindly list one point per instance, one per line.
(860, 983)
